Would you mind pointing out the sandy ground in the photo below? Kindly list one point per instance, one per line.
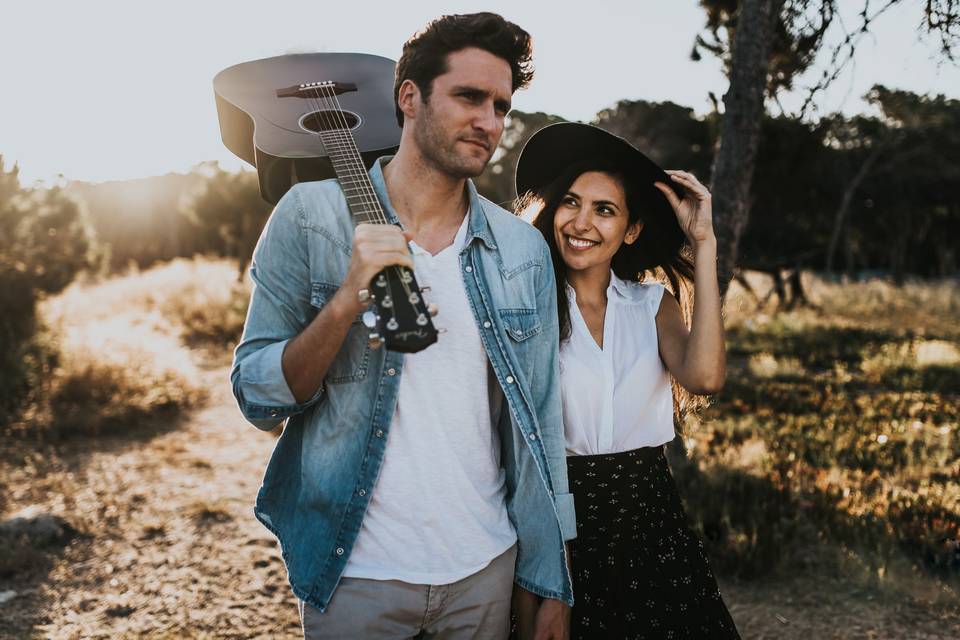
(169, 548)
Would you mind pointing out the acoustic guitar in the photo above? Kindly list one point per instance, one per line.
(315, 116)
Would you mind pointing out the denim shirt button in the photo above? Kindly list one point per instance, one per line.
(391, 371)
(379, 433)
(509, 379)
(533, 436)
(273, 413)
(468, 269)
(486, 324)
(363, 492)
(339, 551)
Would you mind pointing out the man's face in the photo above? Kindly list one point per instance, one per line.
(458, 128)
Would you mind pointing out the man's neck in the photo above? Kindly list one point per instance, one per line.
(428, 202)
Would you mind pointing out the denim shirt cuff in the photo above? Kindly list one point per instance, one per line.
(266, 394)
(568, 519)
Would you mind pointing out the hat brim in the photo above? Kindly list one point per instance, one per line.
(551, 150)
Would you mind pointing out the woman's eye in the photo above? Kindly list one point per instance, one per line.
(605, 211)
(569, 201)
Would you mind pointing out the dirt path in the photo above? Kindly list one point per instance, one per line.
(170, 549)
(178, 553)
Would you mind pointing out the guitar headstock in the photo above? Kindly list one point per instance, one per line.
(399, 316)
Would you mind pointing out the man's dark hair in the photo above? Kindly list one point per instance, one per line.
(425, 53)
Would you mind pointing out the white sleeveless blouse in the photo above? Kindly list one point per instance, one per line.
(617, 398)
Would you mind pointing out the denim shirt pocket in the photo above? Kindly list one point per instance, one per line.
(353, 358)
(520, 324)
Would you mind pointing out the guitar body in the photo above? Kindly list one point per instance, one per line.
(279, 137)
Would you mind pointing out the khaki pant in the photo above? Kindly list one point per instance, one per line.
(476, 607)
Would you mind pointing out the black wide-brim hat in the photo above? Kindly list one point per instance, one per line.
(556, 147)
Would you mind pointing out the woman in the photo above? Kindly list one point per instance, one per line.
(612, 217)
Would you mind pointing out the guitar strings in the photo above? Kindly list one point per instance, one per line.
(343, 140)
(332, 139)
(347, 136)
(338, 110)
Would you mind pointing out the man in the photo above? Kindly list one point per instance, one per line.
(409, 492)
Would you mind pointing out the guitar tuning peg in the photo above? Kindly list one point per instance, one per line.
(433, 310)
(424, 289)
(369, 319)
(375, 341)
(441, 330)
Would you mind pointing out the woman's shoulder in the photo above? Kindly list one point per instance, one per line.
(647, 294)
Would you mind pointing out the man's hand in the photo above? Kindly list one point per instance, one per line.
(553, 621)
(375, 246)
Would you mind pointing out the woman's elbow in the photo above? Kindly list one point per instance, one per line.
(708, 382)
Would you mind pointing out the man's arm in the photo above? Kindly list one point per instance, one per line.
(552, 621)
(308, 356)
(287, 347)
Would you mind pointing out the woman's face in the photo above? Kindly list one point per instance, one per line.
(592, 222)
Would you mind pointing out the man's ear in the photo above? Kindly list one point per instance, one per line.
(408, 98)
(633, 232)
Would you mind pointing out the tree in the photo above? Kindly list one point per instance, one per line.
(44, 243)
(229, 212)
(767, 44)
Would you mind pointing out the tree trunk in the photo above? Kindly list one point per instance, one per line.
(841, 216)
(740, 129)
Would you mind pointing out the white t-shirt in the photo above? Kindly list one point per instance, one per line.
(617, 398)
(438, 511)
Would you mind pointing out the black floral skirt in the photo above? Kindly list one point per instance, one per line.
(638, 569)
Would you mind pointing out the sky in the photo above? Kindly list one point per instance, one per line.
(104, 90)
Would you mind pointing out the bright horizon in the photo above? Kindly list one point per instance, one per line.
(108, 90)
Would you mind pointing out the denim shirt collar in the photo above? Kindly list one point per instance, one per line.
(478, 226)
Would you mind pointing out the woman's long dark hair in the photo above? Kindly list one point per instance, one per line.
(673, 267)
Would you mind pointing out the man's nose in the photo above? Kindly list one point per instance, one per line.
(487, 120)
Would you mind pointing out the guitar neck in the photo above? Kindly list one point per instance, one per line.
(352, 175)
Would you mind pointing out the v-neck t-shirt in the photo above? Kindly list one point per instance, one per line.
(438, 511)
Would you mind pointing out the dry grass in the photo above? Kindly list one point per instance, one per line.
(836, 442)
(824, 479)
(121, 365)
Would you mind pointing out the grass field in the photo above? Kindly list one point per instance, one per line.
(835, 444)
(825, 478)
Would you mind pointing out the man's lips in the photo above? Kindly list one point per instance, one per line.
(480, 143)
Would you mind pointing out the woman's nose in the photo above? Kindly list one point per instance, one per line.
(581, 222)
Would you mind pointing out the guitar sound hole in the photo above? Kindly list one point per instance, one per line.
(325, 120)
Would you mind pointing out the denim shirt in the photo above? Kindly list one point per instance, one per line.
(325, 464)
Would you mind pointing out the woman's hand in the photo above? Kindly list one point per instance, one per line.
(695, 211)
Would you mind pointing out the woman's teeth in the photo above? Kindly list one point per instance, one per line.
(577, 243)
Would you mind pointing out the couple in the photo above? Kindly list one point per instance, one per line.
(427, 495)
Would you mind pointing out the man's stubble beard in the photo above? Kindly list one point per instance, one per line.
(441, 153)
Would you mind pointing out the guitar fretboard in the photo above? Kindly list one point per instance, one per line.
(352, 174)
